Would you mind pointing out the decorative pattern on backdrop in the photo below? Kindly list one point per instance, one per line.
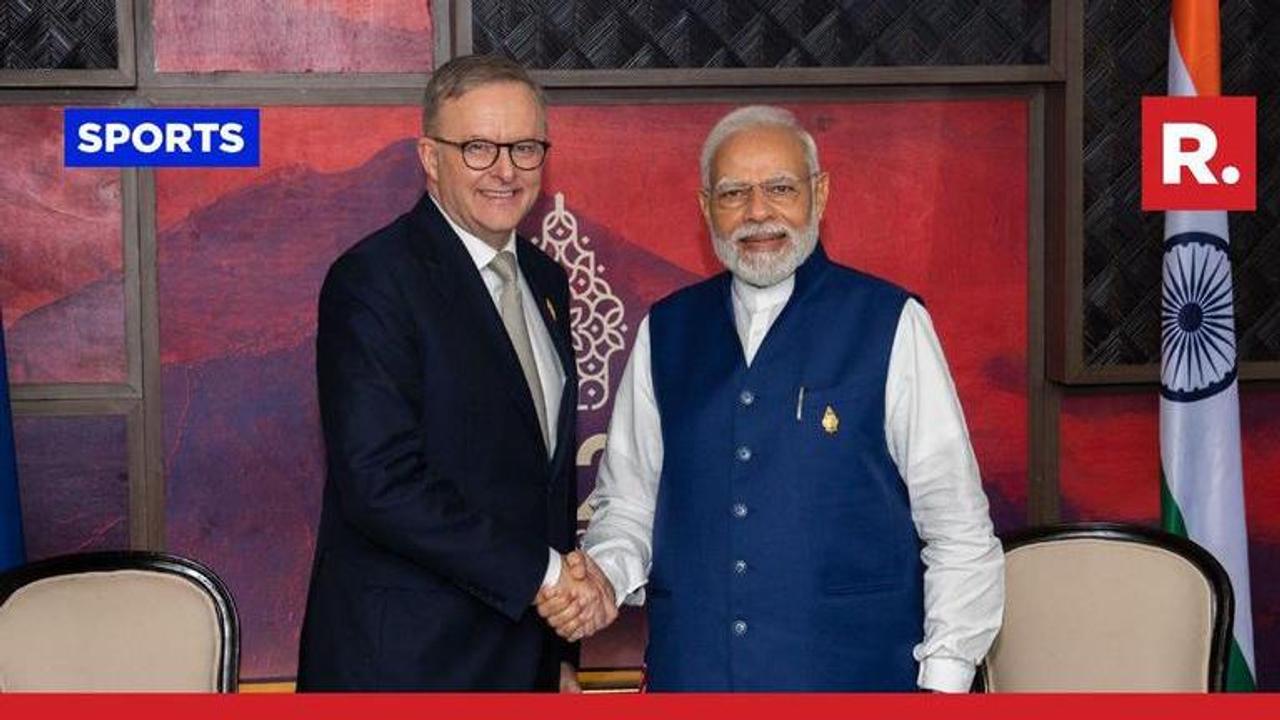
(596, 313)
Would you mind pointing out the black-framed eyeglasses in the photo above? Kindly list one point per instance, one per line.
(482, 154)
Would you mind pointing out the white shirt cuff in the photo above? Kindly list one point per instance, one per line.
(553, 569)
(944, 674)
(617, 577)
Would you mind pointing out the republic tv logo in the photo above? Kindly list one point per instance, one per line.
(1199, 153)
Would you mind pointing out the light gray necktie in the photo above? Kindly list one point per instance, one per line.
(512, 310)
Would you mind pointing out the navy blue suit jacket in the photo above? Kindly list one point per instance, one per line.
(439, 500)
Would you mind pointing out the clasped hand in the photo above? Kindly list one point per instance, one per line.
(582, 602)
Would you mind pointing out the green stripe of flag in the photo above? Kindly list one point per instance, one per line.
(1170, 514)
(1239, 679)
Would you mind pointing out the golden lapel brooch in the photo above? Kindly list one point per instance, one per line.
(830, 421)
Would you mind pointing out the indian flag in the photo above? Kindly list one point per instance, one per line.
(1202, 493)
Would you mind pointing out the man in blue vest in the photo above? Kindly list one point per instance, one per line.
(788, 484)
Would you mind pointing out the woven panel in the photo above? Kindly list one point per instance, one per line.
(628, 34)
(1126, 55)
(57, 34)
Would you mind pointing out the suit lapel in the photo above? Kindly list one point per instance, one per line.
(455, 276)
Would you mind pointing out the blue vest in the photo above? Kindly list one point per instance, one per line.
(784, 556)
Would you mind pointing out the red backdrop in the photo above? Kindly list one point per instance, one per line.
(61, 257)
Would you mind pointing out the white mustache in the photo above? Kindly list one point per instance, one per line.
(750, 229)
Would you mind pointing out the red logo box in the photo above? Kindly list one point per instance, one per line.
(1199, 153)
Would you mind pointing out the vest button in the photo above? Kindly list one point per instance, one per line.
(744, 453)
(739, 510)
(739, 627)
(740, 567)
(746, 397)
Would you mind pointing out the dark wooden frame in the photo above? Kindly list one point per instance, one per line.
(146, 500)
(1209, 567)
(123, 75)
(139, 509)
(131, 388)
(196, 573)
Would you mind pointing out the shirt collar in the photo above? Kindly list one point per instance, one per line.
(480, 251)
(754, 299)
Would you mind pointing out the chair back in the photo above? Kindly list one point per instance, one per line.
(126, 621)
(1104, 607)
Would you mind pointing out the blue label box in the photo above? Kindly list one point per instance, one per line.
(161, 137)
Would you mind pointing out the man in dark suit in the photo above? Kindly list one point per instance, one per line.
(447, 395)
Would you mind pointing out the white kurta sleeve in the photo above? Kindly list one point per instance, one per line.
(620, 536)
(964, 564)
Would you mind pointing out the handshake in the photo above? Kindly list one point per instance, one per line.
(582, 603)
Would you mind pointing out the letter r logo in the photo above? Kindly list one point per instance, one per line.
(1199, 153)
(1173, 135)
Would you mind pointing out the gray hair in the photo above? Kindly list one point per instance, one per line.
(753, 116)
(463, 74)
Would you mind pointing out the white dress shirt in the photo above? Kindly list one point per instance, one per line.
(927, 439)
(550, 374)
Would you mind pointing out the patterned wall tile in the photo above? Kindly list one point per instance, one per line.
(622, 34)
(58, 34)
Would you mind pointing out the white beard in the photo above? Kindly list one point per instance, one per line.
(763, 269)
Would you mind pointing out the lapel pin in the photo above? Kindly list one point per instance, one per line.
(551, 310)
(830, 421)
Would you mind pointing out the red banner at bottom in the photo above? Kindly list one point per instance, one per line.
(639, 707)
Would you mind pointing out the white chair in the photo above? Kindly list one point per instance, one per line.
(126, 621)
(1104, 607)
